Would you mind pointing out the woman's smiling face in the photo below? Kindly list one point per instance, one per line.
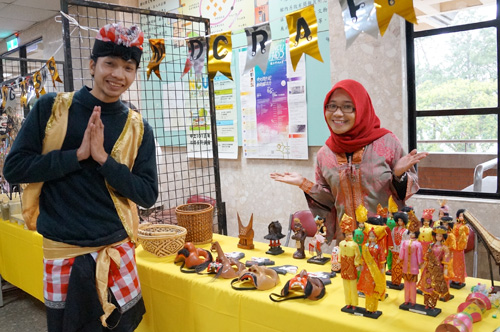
(339, 121)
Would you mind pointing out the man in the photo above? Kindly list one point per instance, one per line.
(96, 161)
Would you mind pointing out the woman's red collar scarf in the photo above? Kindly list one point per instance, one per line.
(366, 128)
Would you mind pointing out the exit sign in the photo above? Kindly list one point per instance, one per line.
(12, 44)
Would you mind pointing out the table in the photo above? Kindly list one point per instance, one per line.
(181, 302)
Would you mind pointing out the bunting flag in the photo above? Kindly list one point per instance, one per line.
(8, 97)
(220, 54)
(303, 29)
(197, 48)
(39, 79)
(24, 92)
(387, 8)
(359, 16)
(158, 53)
(51, 65)
(258, 46)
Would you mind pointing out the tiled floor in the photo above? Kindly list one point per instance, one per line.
(21, 312)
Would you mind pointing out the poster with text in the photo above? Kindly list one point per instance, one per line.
(273, 107)
(226, 115)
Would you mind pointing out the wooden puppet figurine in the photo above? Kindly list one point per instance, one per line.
(319, 240)
(397, 236)
(350, 259)
(461, 232)
(425, 236)
(410, 256)
(372, 278)
(391, 223)
(299, 236)
(433, 282)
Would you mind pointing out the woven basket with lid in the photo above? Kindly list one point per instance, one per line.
(161, 240)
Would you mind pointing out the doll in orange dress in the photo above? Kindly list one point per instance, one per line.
(451, 244)
(372, 278)
(461, 232)
(401, 219)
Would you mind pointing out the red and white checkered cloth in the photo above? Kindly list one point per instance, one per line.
(123, 281)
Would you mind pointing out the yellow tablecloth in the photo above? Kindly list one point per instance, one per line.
(181, 302)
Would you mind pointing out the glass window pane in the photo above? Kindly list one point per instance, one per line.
(475, 172)
(433, 15)
(458, 134)
(457, 70)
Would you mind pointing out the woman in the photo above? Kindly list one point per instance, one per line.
(372, 279)
(433, 282)
(360, 164)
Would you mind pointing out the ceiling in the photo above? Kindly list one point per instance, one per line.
(19, 15)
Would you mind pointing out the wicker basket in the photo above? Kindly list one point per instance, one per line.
(197, 219)
(161, 240)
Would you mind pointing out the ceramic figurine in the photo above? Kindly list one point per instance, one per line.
(411, 257)
(274, 236)
(299, 236)
(461, 232)
(425, 236)
(319, 240)
(433, 282)
(401, 219)
(350, 259)
(372, 278)
(245, 234)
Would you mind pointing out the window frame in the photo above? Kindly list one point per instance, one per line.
(411, 35)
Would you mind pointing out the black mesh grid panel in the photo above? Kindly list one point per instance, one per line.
(12, 71)
(167, 104)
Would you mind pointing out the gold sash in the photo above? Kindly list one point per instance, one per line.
(55, 131)
(377, 275)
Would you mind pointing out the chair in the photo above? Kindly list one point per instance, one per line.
(307, 220)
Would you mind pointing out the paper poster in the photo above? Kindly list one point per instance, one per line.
(274, 110)
(226, 115)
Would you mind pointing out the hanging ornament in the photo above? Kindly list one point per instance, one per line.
(51, 65)
(8, 97)
(258, 46)
(24, 92)
(359, 16)
(303, 29)
(196, 58)
(387, 8)
(158, 54)
(220, 54)
(39, 79)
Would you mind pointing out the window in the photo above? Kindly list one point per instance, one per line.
(453, 97)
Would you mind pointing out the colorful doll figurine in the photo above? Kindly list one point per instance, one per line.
(372, 278)
(425, 236)
(433, 282)
(359, 237)
(397, 236)
(350, 259)
(444, 210)
(410, 256)
(299, 236)
(335, 261)
(391, 223)
(450, 243)
(461, 232)
(319, 240)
